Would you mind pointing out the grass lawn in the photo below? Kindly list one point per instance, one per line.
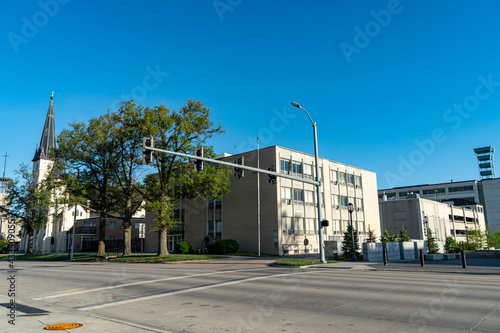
(93, 257)
(301, 262)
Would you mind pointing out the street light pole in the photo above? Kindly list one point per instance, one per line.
(350, 208)
(318, 191)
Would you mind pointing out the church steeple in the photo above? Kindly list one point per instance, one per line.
(48, 139)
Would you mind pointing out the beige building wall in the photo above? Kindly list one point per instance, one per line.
(288, 213)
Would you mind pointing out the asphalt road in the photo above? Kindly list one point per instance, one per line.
(249, 295)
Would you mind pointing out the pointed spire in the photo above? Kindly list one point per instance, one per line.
(48, 139)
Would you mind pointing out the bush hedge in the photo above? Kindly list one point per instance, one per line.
(223, 246)
(183, 248)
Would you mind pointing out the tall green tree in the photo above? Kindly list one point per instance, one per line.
(88, 153)
(28, 202)
(347, 243)
(179, 131)
(129, 169)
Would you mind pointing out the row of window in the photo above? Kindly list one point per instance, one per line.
(344, 201)
(308, 171)
(308, 226)
(431, 191)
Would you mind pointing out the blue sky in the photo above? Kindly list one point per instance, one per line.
(403, 88)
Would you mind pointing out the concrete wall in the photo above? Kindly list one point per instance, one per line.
(395, 250)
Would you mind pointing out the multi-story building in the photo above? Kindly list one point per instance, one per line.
(484, 193)
(288, 209)
(417, 215)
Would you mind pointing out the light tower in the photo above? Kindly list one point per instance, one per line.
(485, 159)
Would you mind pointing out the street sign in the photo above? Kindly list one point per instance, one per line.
(142, 230)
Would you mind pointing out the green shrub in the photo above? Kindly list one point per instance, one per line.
(183, 248)
(450, 246)
(223, 246)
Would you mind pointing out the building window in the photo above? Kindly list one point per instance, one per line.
(297, 168)
(404, 194)
(333, 176)
(461, 189)
(335, 201)
(342, 177)
(343, 201)
(310, 226)
(359, 204)
(308, 173)
(112, 224)
(137, 225)
(286, 194)
(361, 228)
(112, 240)
(298, 225)
(344, 225)
(433, 191)
(286, 224)
(357, 181)
(298, 195)
(337, 230)
(350, 179)
(309, 197)
(217, 233)
(285, 166)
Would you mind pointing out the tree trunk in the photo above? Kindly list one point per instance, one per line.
(162, 242)
(29, 248)
(127, 228)
(127, 238)
(101, 250)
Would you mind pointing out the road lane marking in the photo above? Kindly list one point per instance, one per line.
(183, 291)
(144, 282)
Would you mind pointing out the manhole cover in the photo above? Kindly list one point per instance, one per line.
(60, 327)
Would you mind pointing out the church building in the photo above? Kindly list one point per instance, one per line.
(54, 237)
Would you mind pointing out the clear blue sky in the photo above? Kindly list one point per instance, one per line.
(378, 77)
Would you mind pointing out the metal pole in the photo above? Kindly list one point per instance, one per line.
(258, 197)
(464, 261)
(353, 251)
(318, 195)
(384, 253)
(422, 262)
(73, 234)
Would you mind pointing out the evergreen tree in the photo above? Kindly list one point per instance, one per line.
(347, 243)
(403, 235)
(431, 243)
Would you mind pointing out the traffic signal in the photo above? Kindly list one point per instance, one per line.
(272, 178)
(198, 164)
(239, 172)
(147, 154)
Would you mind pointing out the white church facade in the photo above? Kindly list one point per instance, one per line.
(55, 236)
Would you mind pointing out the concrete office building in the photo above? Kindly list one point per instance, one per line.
(484, 193)
(417, 215)
(288, 211)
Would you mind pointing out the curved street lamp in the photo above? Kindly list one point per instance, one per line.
(318, 192)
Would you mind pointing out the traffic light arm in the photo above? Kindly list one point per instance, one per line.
(234, 165)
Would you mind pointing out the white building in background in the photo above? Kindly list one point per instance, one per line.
(469, 194)
(417, 215)
(54, 237)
